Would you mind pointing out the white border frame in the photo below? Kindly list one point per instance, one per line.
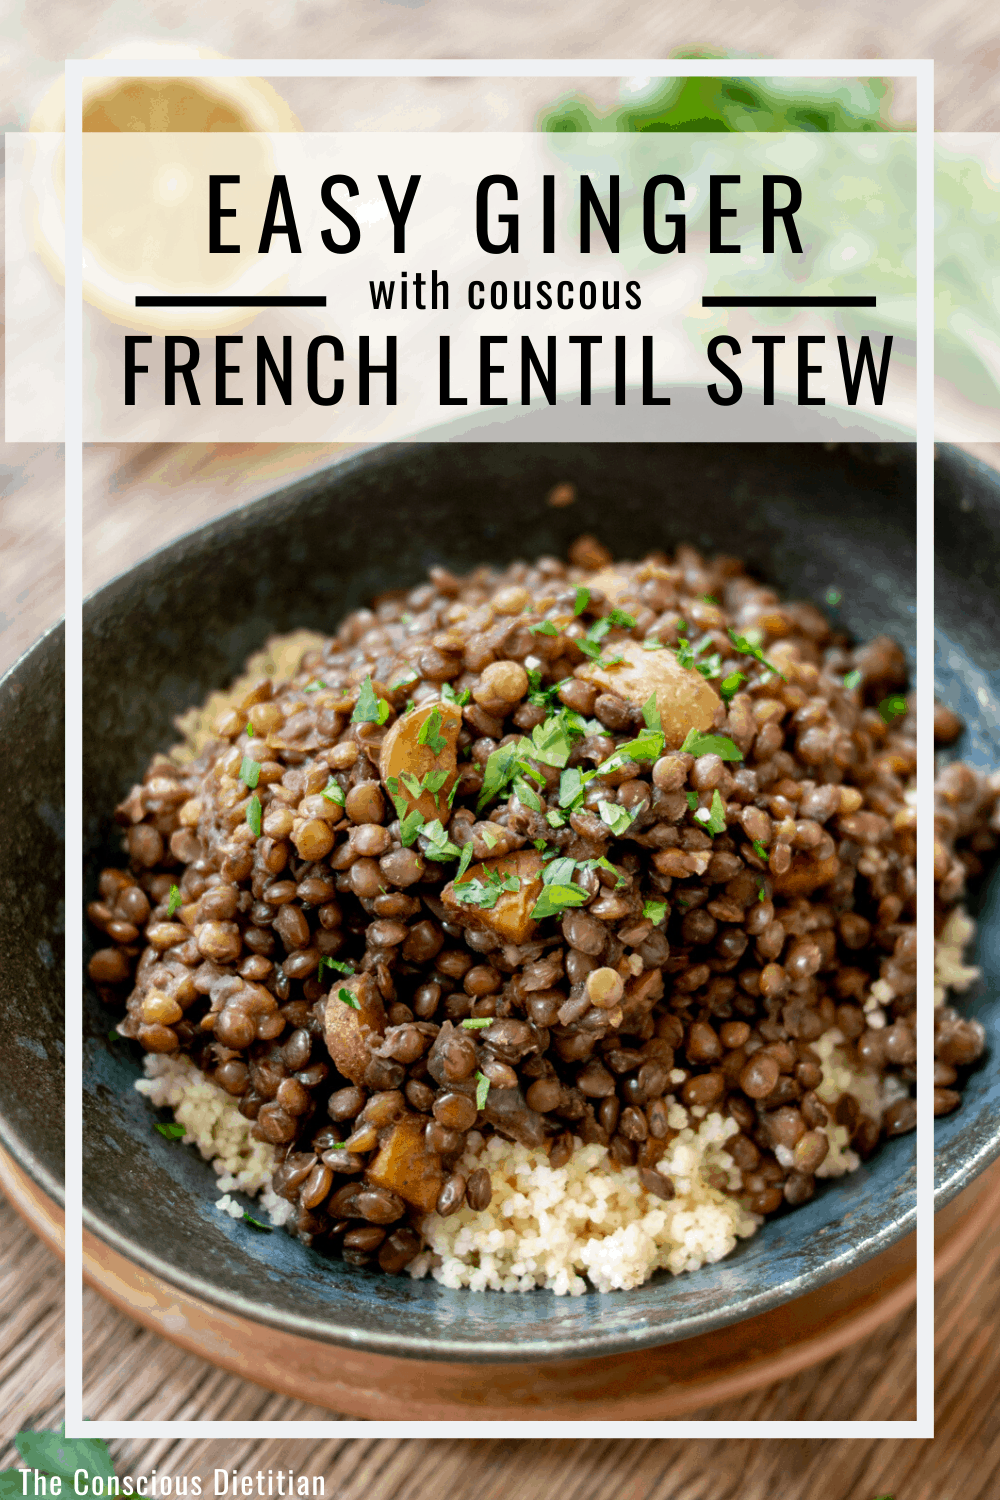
(76, 70)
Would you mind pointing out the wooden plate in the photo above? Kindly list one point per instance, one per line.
(652, 1384)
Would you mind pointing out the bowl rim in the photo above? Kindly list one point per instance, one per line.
(583, 1344)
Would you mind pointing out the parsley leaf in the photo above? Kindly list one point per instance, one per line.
(407, 679)
(333, 792)
(482, 1090)
(430, 732)
(333, 963)
(555, 819)
(582, 599)
(544, 627)
(315, 686)
(250, 730)
(477, 1023)
(622, 618)
(485, 893)
(253, 815)
(833, 596)
(465, 861)
(256, 1223)
(526, 795)
(410, 825)
(439, 845)
(249, 772)
(500, 770)
(369, 709)
(572, 784)
(893, 707)
(652, 644)
(558, 898)
(713, 819)
(696, 743)
(747, 648)
(450, 696)
(730, 686)
(646, 746)
(853, 679)
(176, 900)
(692, 800)
(172, 1132)
(651, 714)
(617, 818)
(655, 911)
(346, 997)
(53, 1453)
(759, 849)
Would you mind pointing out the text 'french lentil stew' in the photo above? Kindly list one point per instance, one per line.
(550, 923)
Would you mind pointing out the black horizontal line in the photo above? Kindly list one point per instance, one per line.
(788, 301)
(230, 301)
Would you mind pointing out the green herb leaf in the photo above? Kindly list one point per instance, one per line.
(53, 1453)
(407, 680)
(572, 785)
(655, 911)
(410, 824)
(762, 893)
(334, 792)
(254, 815)
(450, 696)
(369, 709)
(622, 618)
(176, 901)
(730, 686)
(582, 599)
(249, 771)
(559, 870)
(692, 800)
(833, 596)
(430, 734)
(482, 1090)
(893, 707)
(434, 781)
(256, 1223)
(525, 795)
(544, 627)
(466, 859)
(749, 649)
(500, 770)
(477, 1023)
(555, 819)
(347, 998)
(485, 893)
(172, 1132)
(853, 679)
(314, 687)
(713, 819)
(250, 730)
(709, 599)
(646, 746)
(490, 839)
(557, 898)
(652, 644)
(617, 818)
(759, 849)
(113, 1035)
(439, 845)
(411, 783)
(696, 743)
(651, 714)
(336, 964)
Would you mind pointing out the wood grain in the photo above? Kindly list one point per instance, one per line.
(133, 1371)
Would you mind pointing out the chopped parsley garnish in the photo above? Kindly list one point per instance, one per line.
(430, 732)
(315, 686)
(555, 819)
(747, 648)
(709, 599)
(525, 795)
(335, 964)
(582, 599)
(255, 1223)
(572, 785)
(893, 707)
(249, 772)
(759, 849)
(334, 792)
(688, 655)
(500, 770)
(407, 679)
(346, 997)
(551, 741)
(172, 1132)
(853, 679)
(622, 618)
(490, 839)
(113, 1035)
(450, 696)
(410, 825)
(253, 815)
(250, 730)
(646, 746)
(434, 781)
(652, 644)
(477, 1023)
(696, 743)
(466, 859)
(713, 819)
(175, 902)
(651, 714)
(439, 845)
(730, 686)
(369, 709)
(762, 893)
(692, 800)
(833, 596)
(555, 899)
(484, 893)
(482, 1090)
(617, 818)
(544, 627)
(655, 911)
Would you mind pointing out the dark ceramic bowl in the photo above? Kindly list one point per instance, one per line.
(158, 639)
